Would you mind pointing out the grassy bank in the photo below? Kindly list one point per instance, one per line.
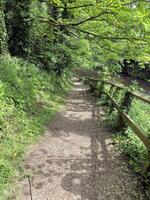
(29, 97)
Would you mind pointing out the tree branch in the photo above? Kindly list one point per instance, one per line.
(129, 3)
(111, 38)
(92, 4)
(54, 23)
(81, 6)
(90, 18)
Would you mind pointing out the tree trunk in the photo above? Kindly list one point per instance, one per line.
(3, 32)
(17, 25)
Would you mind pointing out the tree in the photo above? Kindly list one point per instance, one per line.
(53, 32)
(117, 29)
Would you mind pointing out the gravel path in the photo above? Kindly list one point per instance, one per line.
(75, 158)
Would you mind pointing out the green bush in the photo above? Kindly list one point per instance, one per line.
(28, 99)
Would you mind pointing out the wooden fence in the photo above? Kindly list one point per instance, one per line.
(124, 119)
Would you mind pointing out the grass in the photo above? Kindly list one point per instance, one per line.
(29, 98)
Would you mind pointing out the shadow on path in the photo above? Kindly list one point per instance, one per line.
(75, 158)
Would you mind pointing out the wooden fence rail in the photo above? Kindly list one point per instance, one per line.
(139, 95)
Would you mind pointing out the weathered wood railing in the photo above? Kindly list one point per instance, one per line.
(124, 119)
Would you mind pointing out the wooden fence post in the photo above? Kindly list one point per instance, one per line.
(146, 166)
(96, 94)
(113, 91)
(101, 89)
(125, 107)
(91, 86)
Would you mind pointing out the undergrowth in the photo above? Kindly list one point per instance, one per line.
(29, 97)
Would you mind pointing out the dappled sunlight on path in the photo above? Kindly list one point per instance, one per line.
(75, 158)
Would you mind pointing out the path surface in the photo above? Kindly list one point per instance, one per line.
(75, 158)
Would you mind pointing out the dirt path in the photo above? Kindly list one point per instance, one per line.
(75, 159)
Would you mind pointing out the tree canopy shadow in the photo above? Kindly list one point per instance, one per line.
(94, 172)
